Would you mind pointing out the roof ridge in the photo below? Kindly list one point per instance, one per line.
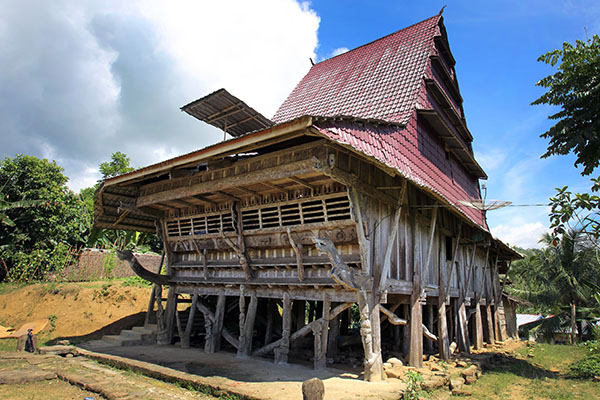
(379, 39)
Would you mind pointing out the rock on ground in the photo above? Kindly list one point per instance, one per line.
(313, 389)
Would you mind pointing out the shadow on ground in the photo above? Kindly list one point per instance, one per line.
(111, 329)
(501, 362)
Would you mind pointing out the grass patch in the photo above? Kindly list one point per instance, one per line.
(135, 281)
(546, 375)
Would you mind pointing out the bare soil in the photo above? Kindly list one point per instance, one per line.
(77, 311)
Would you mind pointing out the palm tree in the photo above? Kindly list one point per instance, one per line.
(562, 278)
(570, 273)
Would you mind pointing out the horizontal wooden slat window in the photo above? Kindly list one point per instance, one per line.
(306, 210)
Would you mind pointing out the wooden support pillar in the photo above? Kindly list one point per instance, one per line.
(153, 294)
(443, 342)
(415, 351)
(477, 328)
(405, 346)
(334, 333)
(185, 334)
(322, 335)
(428, 317)
(218, 325)
(281, 352)
(490, 325)
(246, 324)
(373, 363)
(376, 329)
(166, 335)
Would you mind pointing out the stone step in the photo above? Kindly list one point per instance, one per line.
(118, 340)
(146, 335)
(145, 329)
(130, 334)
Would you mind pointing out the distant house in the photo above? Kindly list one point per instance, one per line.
(363, 188)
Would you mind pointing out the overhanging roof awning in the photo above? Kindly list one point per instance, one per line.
(228, 113)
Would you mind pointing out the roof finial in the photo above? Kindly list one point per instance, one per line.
(442, 10)
(311, 61)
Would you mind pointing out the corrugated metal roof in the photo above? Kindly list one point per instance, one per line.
(228, 113)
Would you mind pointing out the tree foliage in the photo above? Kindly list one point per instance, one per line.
(39, 211)
(561, 278)
(119, 164)
(575, 88)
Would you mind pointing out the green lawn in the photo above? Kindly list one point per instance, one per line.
(543, 376)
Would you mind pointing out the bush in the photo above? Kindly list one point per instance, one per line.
(589, 367)
(37, 264)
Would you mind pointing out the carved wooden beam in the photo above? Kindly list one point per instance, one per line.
(245, 264)
(340, 272)
(297, 247)
(140, 271)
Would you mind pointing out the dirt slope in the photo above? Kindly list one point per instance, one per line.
(76, 310)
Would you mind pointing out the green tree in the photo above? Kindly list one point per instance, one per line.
(563, 278)
(118, 164)
(113, 238)
(58, 218)
(575, 88)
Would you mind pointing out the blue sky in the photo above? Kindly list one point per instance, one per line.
(82, 79)
(496, 45)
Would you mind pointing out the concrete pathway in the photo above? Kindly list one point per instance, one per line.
(252, 377)
(20, 367)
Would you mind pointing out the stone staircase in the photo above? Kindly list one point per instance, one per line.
(136, 336)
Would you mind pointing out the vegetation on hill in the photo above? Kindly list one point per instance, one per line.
(43, 224)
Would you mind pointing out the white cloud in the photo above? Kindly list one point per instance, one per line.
(338, 51)
(81, 80)
(522, 235)
(491, 160)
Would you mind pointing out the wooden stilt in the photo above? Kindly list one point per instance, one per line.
(405, 345)
(429, 324)
(153, 294)
(464, 344)
(166, 335)
(185, 335)
(218, 325)
(415, 352)
(321, 355)
(443, 342)
(246, 324)
(334, 333)
(490, 325)
(373, 365)
(281, 352)
(477, 328)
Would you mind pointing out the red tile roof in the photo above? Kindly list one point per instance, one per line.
(385, 80)
(379, 80)
(398, 147)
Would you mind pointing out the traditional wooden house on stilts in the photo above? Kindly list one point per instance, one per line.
(350, 194)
